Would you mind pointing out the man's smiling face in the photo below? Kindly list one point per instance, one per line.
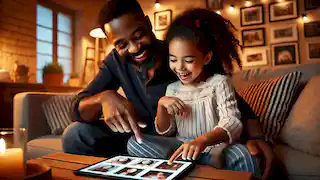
(132, 36)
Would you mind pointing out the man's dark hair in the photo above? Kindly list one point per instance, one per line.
(115, 8)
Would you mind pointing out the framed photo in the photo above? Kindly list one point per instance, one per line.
(284, 33)
(311, 4)
(285, 53)
(162, 19)
(313, 50)
(253, 37)
(312, 29)
(280, 11)
(215, 4)
(253, 15)
(255, 57)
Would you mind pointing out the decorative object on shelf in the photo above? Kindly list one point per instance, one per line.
(12, 153)
(253, 15)
(312, 29)
(255, 57)
(215, 4)
(162, 19)
(52, 74)
(283, 33)
(21, 74)
(313, 51)
(285, 53)
(253, 37)
(5, 75)
(311, 4)
(74, 80)
(281, 11)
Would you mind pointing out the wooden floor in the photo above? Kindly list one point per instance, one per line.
(63, 165)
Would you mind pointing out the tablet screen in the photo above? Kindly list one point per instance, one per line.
(126, 167)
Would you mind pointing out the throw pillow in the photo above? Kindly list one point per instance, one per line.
(270, 101)
(301, 130)
(56, 110)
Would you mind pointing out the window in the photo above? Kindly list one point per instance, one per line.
(54, 38)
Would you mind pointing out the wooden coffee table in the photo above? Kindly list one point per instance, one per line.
(63, 165)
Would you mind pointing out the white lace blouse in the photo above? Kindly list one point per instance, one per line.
(210, 104)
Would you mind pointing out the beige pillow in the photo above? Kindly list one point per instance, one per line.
(302, 128)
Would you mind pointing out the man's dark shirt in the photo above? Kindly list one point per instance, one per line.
(116, 72)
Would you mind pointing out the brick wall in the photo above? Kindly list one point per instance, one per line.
(18, 34)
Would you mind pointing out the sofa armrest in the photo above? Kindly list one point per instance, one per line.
(27, 113)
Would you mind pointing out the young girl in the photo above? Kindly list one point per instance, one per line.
(201, 109)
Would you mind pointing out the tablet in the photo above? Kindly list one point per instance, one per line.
(127, 167)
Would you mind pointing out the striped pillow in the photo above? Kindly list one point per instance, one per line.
(56, 110)
(270, 100)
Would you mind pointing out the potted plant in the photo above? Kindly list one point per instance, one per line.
(74, 79)
(52, 74)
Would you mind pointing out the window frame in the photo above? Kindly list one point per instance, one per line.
(56, 8)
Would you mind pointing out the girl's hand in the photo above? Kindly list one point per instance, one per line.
(191, 150)
(173, 105)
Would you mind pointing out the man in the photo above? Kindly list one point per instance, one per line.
(138, 64)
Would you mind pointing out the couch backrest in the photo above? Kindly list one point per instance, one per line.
(243, 78)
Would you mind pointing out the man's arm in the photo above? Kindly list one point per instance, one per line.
(256, 145)
(86, 106)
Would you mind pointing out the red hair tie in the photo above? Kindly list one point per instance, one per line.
(197, 22)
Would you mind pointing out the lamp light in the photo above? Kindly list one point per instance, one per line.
(97, 33)
(248, 3)
(157, 4)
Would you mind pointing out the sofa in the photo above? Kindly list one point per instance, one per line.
(299, 164)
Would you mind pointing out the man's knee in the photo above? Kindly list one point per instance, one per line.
(71, 135)
(238, 158)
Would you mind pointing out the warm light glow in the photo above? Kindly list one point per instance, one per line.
(231, 8)
(2, 146)
(157, 5)
(264, 1)
(280, 0)
(97, 33)
(305, 18)
(218, 12)
(248, 3)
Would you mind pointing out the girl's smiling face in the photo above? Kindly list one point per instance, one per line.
(187, 61)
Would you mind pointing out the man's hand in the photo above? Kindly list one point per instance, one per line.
(119, 114)
(173, 105)
(189, 151)
(256, 147)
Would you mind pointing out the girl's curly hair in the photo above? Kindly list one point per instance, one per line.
(210, 32)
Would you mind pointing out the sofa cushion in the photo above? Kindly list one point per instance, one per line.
(44, 145)
(270, 100)
(298, 163)
(301, 130)
(57, 112)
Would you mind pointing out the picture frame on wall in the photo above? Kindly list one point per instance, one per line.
(285, 53)
(313, 51)
(215, 4)
(162, 19)
(312, 29)
(253, 57)
(284, 33)
(253, 37)
(281, 11)
(311, 4)
(253, 15)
